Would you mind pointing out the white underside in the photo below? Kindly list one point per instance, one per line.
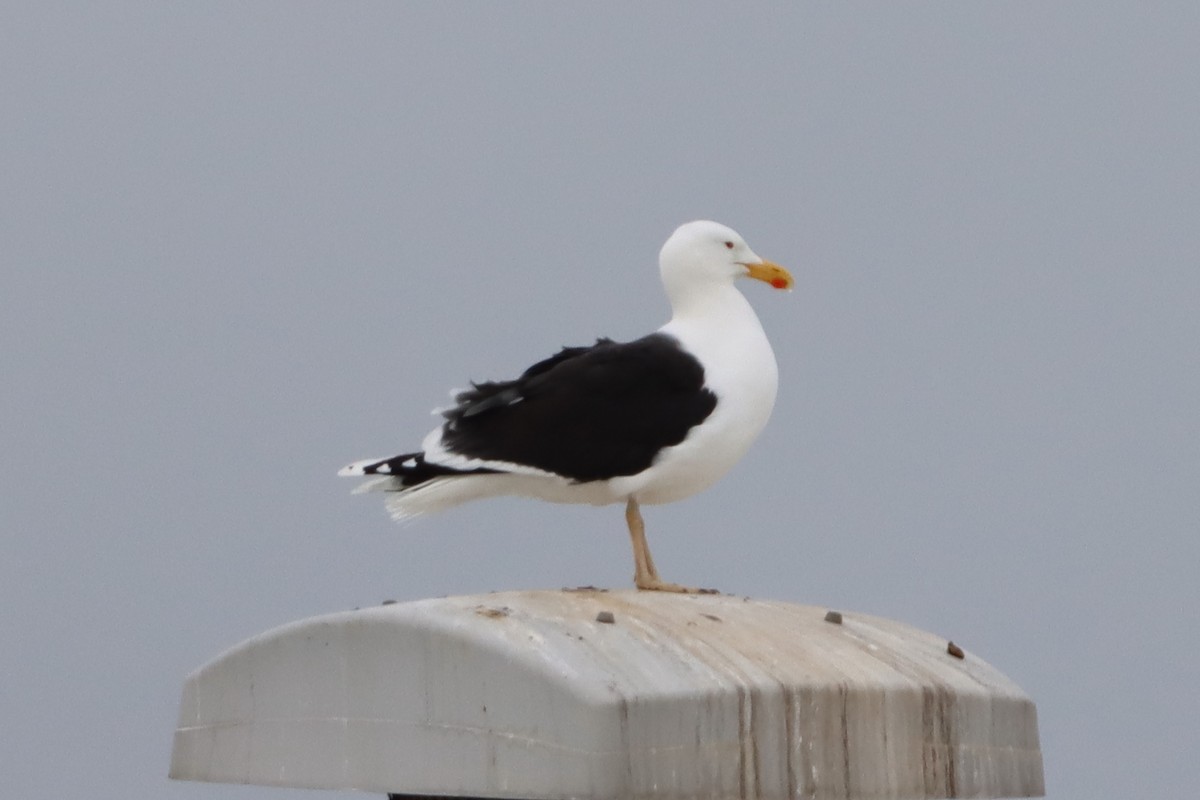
(443, 493)
(739, 368)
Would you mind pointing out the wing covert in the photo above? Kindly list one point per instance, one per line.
(586, 413)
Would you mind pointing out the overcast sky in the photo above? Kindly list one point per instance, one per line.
(244, 244)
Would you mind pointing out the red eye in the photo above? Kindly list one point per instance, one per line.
(729, 245)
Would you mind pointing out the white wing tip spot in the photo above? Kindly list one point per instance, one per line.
(358, 467)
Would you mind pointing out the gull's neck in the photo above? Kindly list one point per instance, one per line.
(712, 319)
(714, 305)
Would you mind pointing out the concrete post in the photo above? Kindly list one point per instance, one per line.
(608, 695)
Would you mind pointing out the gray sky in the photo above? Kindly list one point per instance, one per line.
(243, 244)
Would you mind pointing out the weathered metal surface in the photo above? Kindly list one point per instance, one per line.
(608, 696)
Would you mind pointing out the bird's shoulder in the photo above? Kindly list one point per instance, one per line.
(646, 364)
(567, 353)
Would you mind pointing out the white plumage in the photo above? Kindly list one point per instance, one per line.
(651, 421)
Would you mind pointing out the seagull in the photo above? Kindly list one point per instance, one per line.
(650, 421)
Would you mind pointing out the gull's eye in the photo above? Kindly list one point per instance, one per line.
(729, 245)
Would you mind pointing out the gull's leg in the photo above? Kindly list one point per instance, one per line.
(645, 576)
(643, 568)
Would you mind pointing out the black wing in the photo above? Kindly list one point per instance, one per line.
(586, 413)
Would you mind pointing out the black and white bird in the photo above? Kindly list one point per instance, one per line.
(649, 421)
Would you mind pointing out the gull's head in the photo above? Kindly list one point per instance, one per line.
(705, 254)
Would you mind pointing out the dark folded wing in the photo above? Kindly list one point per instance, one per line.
(586, 413)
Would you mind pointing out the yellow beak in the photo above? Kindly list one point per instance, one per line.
(772, 273)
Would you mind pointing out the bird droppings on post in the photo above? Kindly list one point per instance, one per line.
(606, 617)
(833, 616)
(713, 617)
(491, 612)
(955, 650)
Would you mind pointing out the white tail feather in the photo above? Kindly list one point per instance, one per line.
(379, 483)
(442, 493)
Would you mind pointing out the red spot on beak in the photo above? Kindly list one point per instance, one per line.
(779, 283)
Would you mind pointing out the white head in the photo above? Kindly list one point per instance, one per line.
(704, 256)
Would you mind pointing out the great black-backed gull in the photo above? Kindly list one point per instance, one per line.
(649, 421)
